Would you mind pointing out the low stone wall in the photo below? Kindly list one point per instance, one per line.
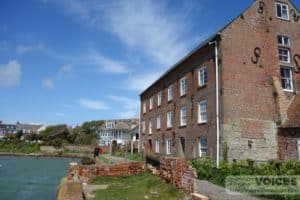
(80, 148)
(176, 171)
(86, 172)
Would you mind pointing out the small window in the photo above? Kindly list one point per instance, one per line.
(282, 11)
(284, 55)
(183, 86)
(158, 122)
(159, 98)
(168, 147)
(183, 116)
(169, 119)
(286, 78)
(283, 40)
(150, 126)
(170, 93)
(157, 143)
(202, 112)
(151, 103)
(202, 147)
(144, 107)
(202, 76)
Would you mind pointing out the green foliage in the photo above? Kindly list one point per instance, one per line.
(18, 146)
(206, 169)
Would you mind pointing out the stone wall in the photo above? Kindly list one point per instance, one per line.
(86, 172)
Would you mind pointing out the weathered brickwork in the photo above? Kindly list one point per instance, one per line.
(288, 142)
(86, 172)
(253, 104)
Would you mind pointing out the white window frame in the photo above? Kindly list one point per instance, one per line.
(150, 126)
(281, 8)
(201, 112)
(159, 98)
(143, 126)
(201, 153)
(288, 55)
(168, 147)
(169, 119)
(144, 107)
(290, 78)
(157, 143)
(158, 124)
(151, 103)
(183, 116)
(170, 93)
(281, 40)
(183, 86)
(202, 80)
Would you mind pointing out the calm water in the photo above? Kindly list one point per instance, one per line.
(29, 178)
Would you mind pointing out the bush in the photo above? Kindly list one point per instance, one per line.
(207, 170)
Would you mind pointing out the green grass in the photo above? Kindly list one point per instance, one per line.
(19, 147)
(102, 160)
(136, 187)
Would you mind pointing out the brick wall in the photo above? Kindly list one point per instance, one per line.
(176, 171)
(288, 144)
(86, 172)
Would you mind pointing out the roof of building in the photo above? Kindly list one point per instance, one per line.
(201, 45)
(125, 124)
(33, 127)
(293, 114)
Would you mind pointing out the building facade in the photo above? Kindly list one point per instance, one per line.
(237, 92)
(120, 131)
(6, 129)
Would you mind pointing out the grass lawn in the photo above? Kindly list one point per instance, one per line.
(136, 187)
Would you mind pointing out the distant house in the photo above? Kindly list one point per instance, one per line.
(28, 128)
(7, 129)
(119, 131)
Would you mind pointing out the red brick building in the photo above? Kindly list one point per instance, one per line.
(240, 86)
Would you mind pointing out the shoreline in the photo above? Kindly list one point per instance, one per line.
(54, 155)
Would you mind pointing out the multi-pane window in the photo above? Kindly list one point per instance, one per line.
(202, 111)
(282, 11)
(284, 55)
(202, 76)
(158, 122)
(202, 147)
(183, 86)
(183, 116)
(151, 103)
(157, 146)
(143, 126)
(144, 107)
(169, 119)
(286, 78)
(168, 146)
(283, 40)
(170, 93)
(159, 98)
(150, 126)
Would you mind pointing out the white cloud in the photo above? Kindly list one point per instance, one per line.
(93, 104)
(10, 74)
(140, 82)
(105, 64)
(60, 114)
(22, 49)
(65, 69)
(148, 27)
(48, 83)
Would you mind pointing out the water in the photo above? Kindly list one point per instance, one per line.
(30, 178)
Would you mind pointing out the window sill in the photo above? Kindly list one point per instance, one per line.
(202, 123)
(183, 96)
(182, 126)
(170, 101)
(169, 128)
(159, 106)
(283, 19)
(285, 63)
(158, 129)
(285, 90)
(202, 86)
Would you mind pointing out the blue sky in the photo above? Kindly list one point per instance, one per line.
(70, 61)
